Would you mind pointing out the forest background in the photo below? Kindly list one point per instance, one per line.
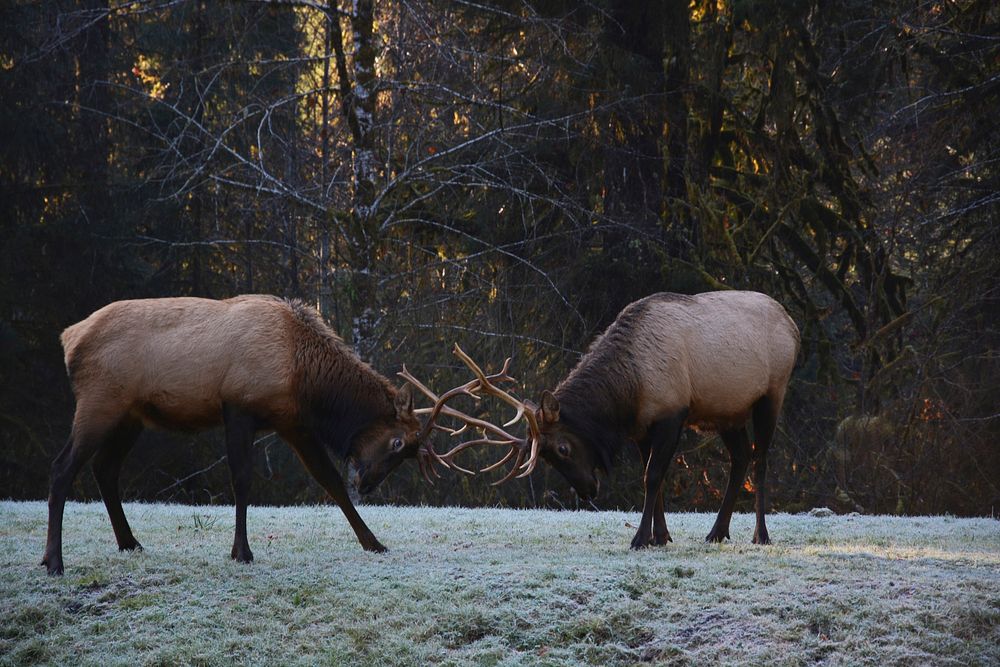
(508, 176)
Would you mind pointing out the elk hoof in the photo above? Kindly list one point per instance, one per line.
(374, 546)
(660, 539)
(717, 535)
(761, 537)
(130, 546)
(243, 555)
(641, 540)
(53, 565)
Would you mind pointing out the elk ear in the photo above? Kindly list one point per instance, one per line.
(550, 408)
(404, 402)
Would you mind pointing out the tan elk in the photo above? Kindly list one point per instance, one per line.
(250, 363)
(712, 360)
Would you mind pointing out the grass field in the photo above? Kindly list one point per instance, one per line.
(497, 587)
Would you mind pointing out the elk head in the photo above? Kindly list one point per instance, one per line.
(567, 450)
(385, 443)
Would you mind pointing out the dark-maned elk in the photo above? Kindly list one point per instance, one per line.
(251, 363)
(712, 360)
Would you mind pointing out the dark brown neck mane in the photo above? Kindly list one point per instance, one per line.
(598, 400)
(344, 394)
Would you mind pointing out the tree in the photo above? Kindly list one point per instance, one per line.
(509, 176)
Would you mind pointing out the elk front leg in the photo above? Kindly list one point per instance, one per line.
(322, 469)
(663, 438)
(660, 533)
(240, 429)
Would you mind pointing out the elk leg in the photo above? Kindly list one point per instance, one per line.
(662, 438)
(90, 428)
(323, 471)
(107, 469)
(765, 419)
(738, 444)
(240, 429)
(660, 533)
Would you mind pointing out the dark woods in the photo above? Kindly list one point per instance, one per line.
(508, 176)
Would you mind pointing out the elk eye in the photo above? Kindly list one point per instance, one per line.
(563, 449)
(397, 444)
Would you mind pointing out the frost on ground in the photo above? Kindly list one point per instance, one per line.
(498, 587)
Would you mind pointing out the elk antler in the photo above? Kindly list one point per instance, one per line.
(525, 410)
(426, 456)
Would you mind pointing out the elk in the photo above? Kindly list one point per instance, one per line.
(711, 361)
(250, 363)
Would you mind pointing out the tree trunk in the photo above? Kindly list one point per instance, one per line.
(682, 228)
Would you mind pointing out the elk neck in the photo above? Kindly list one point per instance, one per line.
(341, 394)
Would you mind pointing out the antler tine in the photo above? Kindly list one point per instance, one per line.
(421, 387)
(498, 464)
(516, 418)
(427, 455)
(467, 389)
(513, 471)
(441, 427)
(467, 420)
(484, 381)
(452, 431)
(520, 448)
(529, 467)
(424, 461)
(522, 410)
(450, 455)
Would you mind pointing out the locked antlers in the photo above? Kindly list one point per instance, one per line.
(525, 410)
(492, 434)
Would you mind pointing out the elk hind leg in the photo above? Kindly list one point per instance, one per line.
(765, 419)
(738, 444)
(107, 469)
(93, 422)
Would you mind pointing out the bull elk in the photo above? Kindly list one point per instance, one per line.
(712, 360)
(251, 363)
